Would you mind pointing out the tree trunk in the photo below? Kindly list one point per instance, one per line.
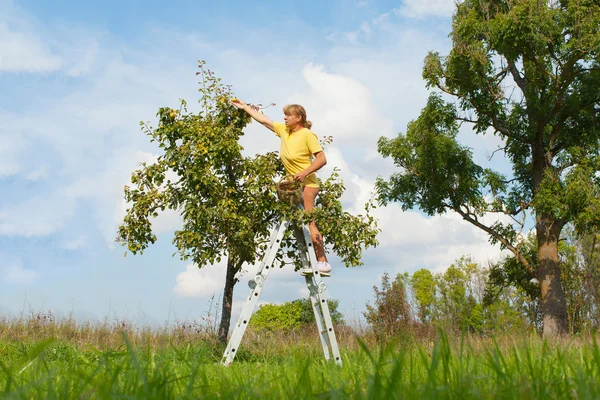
(232, 267)
(553, 296)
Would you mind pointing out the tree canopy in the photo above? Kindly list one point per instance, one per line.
(527, 71)
(227, 200)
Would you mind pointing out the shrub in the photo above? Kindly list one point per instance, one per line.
(289, 315)
(274, 317)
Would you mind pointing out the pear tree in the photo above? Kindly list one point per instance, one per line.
(227, 200)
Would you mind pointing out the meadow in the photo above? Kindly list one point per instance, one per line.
(41, 357)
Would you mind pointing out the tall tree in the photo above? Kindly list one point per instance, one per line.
(527, 71)
(452, 300)
(227, 201)
(391, 311)
(423, 286)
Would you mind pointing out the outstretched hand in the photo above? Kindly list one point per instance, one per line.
(238, 103)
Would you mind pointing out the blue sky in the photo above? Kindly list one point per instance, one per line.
(77, 78)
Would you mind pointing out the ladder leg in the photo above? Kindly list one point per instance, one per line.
(320, 290)
(312, 289)
(256, 285)
(314, 300)
(322, 300)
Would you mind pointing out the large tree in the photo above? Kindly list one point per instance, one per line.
(529, 72)
(227, 200)
(580, 278)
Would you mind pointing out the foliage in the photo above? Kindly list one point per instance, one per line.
(528, 72)
(423, 286)
(344, 234)
(466, 297)
(502, 297)
(580, 276)
(291, 314)
(453, 300)
(391, 310)
(587, 258)
(274, 317)
(460, 292)
(227, 200)
(580, 270)
(308, 316)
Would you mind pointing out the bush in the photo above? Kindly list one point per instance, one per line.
(308, 315)
(273, 317)
(289, 315)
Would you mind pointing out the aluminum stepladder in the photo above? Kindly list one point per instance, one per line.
(316, 287)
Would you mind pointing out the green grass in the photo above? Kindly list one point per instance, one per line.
(526, 368)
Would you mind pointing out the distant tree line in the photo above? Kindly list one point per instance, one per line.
(497, 298)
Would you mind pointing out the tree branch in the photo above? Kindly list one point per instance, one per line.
(467, 217)
(497, 126)
(521, 81)
(569, 74)
(494, 152)
(472, 121)
(502, 74)
(495, 122)
(446, 90)
(524, 206)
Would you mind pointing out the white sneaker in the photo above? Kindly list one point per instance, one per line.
(323, 266)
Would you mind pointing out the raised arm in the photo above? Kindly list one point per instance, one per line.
(258, 116)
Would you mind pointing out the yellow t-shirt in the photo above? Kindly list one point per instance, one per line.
(297, 149)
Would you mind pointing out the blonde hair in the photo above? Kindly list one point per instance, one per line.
(297, 109)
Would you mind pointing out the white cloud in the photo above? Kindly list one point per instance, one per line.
(22, 48)
(381, 18)
(79, 133)
(208, 280)
(200, 282)
(167, 221)
(433, 242)
(365, 29)
(15, 273)
(352, 37)
(40, 215)
(425, 8)
(24, 52)
(340, 106)
(110, 202)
